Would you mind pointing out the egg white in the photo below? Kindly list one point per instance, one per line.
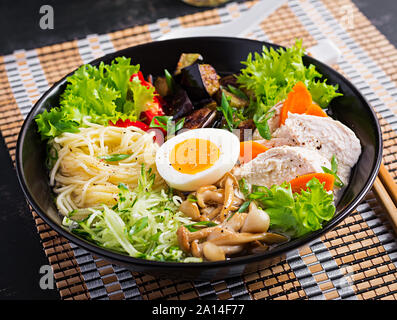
(229, 150)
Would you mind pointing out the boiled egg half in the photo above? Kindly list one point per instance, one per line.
(197, 158)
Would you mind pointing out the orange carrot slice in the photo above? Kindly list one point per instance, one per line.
(297, 101)
(250, 150)
(315, 110)
(300, 182)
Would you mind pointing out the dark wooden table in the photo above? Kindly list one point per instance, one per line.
(20, 249)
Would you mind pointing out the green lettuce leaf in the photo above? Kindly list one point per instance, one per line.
(140, 95)
(314, 206)
(52, 124)
(118, 74)
(322, 93)
(271, 75)
(103, 93)
(296, 214)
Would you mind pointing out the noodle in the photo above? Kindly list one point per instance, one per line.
(81, 179)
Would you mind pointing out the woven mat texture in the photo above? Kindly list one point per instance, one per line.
(357, 260)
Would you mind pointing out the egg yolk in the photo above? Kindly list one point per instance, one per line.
(194, 155)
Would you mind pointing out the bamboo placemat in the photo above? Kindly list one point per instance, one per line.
(357, 260)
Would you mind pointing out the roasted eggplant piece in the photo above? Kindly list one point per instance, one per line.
(202, 103)
(178, 105)
(161, 86)
(200, 81)
(234, 101)
(230, 79)
(187, 59)
(201, 118)
(218, 120)
(212, 104)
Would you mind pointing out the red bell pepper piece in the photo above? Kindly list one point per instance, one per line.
(142, 79)
(128, 123)
(148, 115)
(139, 124)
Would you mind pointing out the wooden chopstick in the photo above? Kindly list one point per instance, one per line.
(385, 191)
(388, 183)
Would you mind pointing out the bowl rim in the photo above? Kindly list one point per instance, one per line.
(128, 260)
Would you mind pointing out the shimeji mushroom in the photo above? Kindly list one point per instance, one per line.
(228, 237)
(190, 209)
(236, 221)
(212, 252)
(210, 213)
(208, 195)
(220, 203)
(185, 237)
(225, 236)
(214, 201)
(197, 249)
(228, 183)
(257, 220)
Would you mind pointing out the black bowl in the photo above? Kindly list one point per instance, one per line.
(225, 55)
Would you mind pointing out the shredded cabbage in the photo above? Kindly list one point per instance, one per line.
(142, 224)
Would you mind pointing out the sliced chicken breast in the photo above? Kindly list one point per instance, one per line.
(281, 164)
(327, 136)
